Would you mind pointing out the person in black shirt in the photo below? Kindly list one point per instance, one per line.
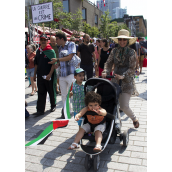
(104, 54)
(85, 52)
(42, 68)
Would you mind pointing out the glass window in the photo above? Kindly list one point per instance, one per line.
(66, 6)
(96, 19)
(84, 13)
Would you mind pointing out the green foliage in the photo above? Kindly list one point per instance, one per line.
(94, 32)
(76, 23)
(86, 28)
(64, 18)
(105, 20)
(108, 29)
(139, 34)
(112, 29)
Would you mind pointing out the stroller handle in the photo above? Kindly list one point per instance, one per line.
(108, 76)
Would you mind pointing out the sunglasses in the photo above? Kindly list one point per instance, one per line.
(120, 39)
(42, 39)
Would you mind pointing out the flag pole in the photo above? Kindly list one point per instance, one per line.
(43, 28)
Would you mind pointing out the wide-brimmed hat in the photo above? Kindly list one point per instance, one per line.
(124, 34)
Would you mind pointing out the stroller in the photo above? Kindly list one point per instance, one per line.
(109, 93)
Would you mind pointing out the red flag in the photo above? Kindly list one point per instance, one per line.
(104, 2)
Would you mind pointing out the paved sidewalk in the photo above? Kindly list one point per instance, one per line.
(53, 156)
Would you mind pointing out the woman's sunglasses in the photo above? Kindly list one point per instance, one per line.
(120, 39)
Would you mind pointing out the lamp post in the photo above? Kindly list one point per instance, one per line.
(28, 3)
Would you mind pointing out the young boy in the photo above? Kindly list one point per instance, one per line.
(92, 101)
(78, 92)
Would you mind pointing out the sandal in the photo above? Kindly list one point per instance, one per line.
(136, 124)
(32, 94)
(97, 148)
(73, 147)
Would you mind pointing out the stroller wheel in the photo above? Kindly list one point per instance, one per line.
(88, 162)
(125, 138)
(96, 162)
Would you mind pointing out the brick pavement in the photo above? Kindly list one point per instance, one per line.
(53, 156)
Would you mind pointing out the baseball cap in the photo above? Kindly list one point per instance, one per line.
(80, 38)
(78, 70)
(43, 36)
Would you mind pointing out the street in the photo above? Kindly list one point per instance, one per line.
(53, 156)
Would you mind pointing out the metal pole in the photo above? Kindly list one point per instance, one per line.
(37, 35)
(34, 34)
(28, 23)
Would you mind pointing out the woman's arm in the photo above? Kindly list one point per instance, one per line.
(99, 58)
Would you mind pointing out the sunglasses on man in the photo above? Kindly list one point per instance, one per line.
(43, 39)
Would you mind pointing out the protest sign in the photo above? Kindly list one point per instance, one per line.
(42, 12)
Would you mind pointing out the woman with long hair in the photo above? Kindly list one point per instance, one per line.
(104, 54)
(30, 69)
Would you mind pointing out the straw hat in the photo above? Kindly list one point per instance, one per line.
(124, 34)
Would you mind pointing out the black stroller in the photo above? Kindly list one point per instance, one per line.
(109, 93)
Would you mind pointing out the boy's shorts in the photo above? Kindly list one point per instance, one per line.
(100, 127)
(79, 121)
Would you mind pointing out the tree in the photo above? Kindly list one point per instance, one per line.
(112, 29)
(94, 32)
(123, 26)
(63, 17)
(86, 28)
(76, 23)
(105, 20)
(139, 34)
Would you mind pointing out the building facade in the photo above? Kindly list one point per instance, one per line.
(141, 24)
(114, 8)
(110, 5)
(90, 12)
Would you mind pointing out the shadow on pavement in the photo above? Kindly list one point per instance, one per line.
(143, 95)
(75, 158)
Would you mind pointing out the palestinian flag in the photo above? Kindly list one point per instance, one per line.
(66, 107)
(46, 133)
(50, 53)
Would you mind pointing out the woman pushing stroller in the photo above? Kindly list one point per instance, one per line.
(124, 60)
(92, 102)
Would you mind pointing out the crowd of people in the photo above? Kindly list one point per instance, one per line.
(54, 67)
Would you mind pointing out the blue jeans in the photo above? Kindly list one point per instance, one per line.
(30, 72)
(79, 121)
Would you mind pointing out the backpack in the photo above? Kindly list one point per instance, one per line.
(75, 59)
(95, 119)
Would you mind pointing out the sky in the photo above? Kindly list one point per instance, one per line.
(134, 7)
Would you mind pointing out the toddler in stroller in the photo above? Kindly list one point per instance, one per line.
(96, 123)
(109, 93)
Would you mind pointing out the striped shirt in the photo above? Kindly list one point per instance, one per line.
(66, 68)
